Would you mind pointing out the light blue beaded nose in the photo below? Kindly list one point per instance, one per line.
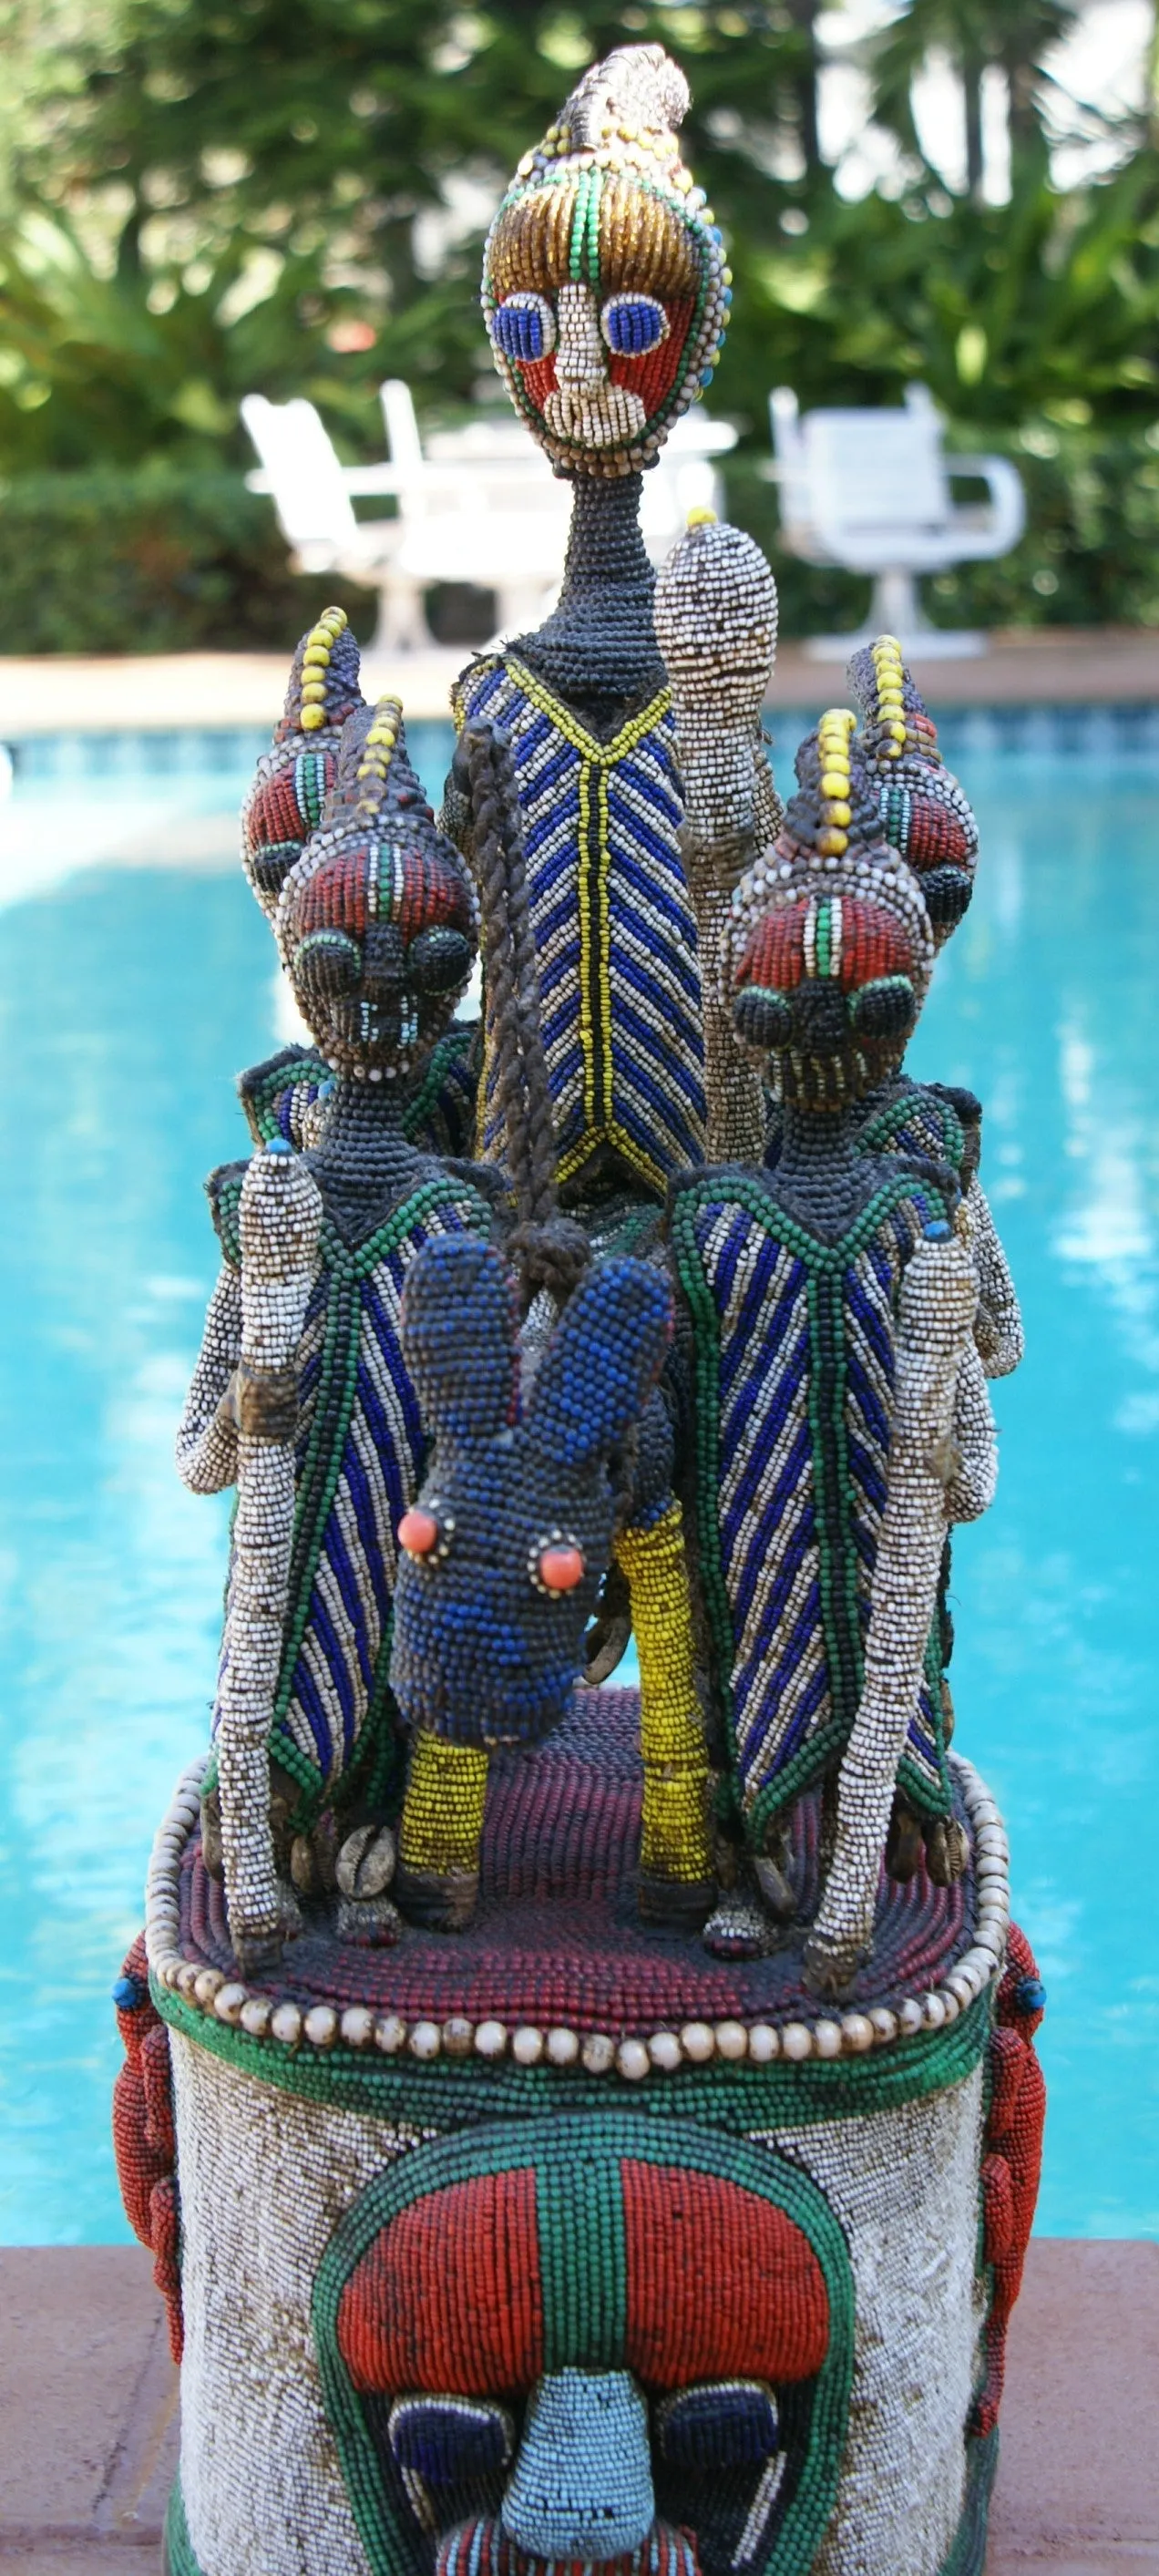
(581, 2487)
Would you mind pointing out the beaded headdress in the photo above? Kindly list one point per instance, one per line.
(831, 949)
(286, 802)
(376, 921)
(920, 807)
(605, 286)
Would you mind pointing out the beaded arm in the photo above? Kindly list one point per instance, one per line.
(998, 1323)
(206, 1433)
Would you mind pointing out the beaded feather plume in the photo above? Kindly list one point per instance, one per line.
(292, 782)
(830, 949)
(920, 807)
(605, 287)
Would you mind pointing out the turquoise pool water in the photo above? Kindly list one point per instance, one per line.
(129, 996)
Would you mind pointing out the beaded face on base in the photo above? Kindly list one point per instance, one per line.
(580, 2128)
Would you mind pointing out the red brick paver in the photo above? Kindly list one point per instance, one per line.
(88, 2414)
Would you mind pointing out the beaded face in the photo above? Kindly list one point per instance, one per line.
(502, 1558)
(829, 985)
(830, 945)
(376, 922)
(582, 2346)
(605, 288)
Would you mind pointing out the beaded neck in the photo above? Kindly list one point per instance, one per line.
(363, 1163)
(597, 651)
(816, 1172)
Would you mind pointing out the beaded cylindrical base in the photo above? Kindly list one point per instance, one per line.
(566, 2152)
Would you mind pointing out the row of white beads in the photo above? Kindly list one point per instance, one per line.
(322, 2026)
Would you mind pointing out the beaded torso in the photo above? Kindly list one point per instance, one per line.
(614, 933)
(438, 1116)
(794, 1343)
(359, 1459)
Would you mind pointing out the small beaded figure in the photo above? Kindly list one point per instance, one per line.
(794, 1278)
(285, 804)
(376, 926)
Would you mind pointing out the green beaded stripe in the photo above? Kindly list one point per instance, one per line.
(883, 1130)
(338, 1378)
(451, 1050)
(177, 2558)
(825, 1264)
(967, 2555)
(734, 2097)
(554, 2149)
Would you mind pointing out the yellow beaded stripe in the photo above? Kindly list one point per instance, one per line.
(887, 664)
(442, 1814)
(674, 1839)
(378, 750)
(833, 734)
(315, 664)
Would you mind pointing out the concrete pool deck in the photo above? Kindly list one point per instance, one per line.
(1043, 666)
(88, 2414)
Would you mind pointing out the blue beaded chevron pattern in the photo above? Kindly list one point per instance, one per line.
(614, 931)
(794, 1346)
(360, 1454)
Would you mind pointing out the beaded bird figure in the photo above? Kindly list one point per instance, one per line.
(285, 804)
(605, 292)
(376, 926)
(923, 812)
(793, 1277)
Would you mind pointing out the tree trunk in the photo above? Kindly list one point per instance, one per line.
(804, 83)
(972, 101)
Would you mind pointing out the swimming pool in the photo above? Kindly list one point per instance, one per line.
(130, 995)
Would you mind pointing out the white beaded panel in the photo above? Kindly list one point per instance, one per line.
(905, 2187)
(264, 2179)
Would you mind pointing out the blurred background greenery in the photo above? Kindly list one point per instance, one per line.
(200, 198)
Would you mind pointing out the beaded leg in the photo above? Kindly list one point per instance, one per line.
(437, 1880)
(676, 1881)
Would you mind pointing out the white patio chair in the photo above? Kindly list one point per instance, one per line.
(312, 494)
(870, 490)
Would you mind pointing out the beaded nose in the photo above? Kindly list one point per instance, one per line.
(581, 2488)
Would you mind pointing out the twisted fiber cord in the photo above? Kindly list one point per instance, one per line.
(548, 1249)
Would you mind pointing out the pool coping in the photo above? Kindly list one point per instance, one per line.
(88, 2413)
(102, 693)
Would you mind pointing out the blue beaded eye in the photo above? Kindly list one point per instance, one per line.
(633, 324)
(524, 327)
(445, 2440)
(724, 2424)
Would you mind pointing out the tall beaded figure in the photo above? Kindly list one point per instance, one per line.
(592, 2236)
(605, 293)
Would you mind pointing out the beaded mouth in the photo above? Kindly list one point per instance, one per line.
(483, 2548)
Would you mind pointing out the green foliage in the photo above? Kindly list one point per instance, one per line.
(200, 201)
(152, 559)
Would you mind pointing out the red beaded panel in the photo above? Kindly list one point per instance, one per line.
(449, 2296)
(719, 2282)
(143, 2140)
(1012, 2161)
(416, 889)
(937, 836)
(654, 376)
(870, 942)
